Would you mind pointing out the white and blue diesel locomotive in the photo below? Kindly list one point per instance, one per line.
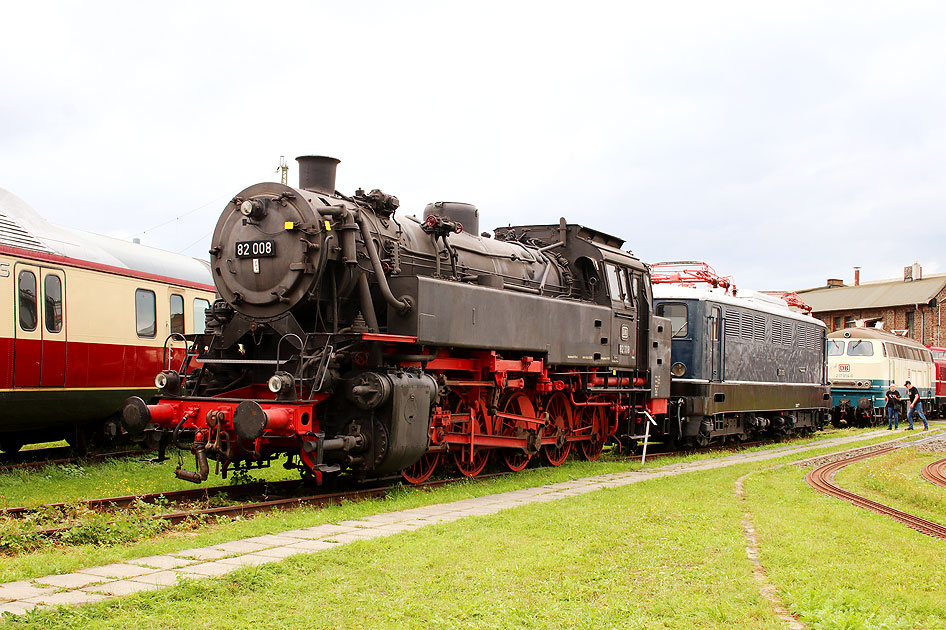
(864, 362)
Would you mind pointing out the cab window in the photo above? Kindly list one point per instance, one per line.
(177, 314)
(27, 299)
(835, 348)
(677, 314)
(860, 348)
(617, 284)
(146, 313)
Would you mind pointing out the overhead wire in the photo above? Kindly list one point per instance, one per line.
(177, 218)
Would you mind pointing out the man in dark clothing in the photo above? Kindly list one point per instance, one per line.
(914, 404)
(893, 408)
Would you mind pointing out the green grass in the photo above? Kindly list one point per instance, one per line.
(664, 553)
(660, 554)
(895, 480)
(27, 556)
(842, 567)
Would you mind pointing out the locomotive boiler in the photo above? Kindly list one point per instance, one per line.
(352, 338)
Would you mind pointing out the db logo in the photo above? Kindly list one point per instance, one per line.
(844, 367)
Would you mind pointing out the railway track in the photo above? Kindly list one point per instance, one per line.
(822, 480)
(321, 499)
(936, 472)
(42, 458)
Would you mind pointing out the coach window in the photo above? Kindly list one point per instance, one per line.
(860, 348)
(835, 348)
(677, 314)
(177, 314)
(52, 294)
(146, 313)
(200, 314)
(27, 282)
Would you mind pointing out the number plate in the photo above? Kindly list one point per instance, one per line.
(255, 249)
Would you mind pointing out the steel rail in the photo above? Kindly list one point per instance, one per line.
(316, 500)
(822, 480)
(936, 472)
(172, 496)
(65, 460)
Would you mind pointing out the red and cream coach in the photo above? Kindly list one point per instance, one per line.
(88, 321)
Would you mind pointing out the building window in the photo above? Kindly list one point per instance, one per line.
(146, 313)
(837, 323)
(849, 321)
(910, 323)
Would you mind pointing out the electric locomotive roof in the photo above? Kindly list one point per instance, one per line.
(745, 299)
(22, 227)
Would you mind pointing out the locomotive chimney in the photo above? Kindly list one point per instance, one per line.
(317, 173)
(857, 276)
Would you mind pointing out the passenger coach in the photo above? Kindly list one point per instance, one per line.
(87, 322)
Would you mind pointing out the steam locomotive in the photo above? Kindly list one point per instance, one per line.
(349, 338)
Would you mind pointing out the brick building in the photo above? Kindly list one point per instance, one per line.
(910, 306)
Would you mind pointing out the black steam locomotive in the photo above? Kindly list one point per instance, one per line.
(353, 339)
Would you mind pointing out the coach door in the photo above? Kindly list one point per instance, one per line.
(39, 355)
(715, 321)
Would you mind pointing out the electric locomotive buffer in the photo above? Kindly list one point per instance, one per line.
(353, 339)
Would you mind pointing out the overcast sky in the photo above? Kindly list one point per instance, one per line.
(783, 143)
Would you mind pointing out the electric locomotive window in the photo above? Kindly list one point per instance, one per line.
(835, 348)
(146, 313)
(677, 313)
(200, 308)
(177, 313)
(27, 282)
(860, 348)
(52, 292)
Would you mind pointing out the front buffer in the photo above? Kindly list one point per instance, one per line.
(380, 428)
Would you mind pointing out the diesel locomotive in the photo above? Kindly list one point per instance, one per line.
(864, 362)
(350, 338)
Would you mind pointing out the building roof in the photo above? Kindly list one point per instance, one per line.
(878, 294)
